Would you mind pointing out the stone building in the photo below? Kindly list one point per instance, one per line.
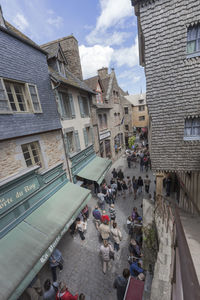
(128, 117)
(74, 100)
(169, 50)
(140, 118)
(108, 113)
(37, 201)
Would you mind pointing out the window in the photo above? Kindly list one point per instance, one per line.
(193, 39)
(84, 107)
(192, 129)
(18, 97)
(88, 135)
(105, 121)
(99, 98)
(126, 110)
(141, 118)
(32, 154)
(100, 121)
(61, 67)
(141, 101)
(126, 127)
(70, 142)
(65, 104)
(141, 108)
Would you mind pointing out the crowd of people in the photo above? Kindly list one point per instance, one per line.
(108, 231)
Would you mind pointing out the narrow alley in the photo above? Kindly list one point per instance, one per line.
(82, 263)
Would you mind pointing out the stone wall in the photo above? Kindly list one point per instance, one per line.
(173, 87)
(137, 114)
(12, 159)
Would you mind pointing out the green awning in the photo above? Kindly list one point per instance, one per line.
(96, 169)
(27, 247)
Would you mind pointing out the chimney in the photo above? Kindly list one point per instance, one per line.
(70, 49)
(103, 72)
(2, 22)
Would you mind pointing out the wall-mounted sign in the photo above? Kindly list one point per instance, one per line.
(104, 135)
(17, 193)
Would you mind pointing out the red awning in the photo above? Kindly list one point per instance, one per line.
(134, 290)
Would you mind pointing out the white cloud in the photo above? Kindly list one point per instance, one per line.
(94, 58)
(113, 14)
(56, 21)
(127, 56)
(113, 11)
(20, 22)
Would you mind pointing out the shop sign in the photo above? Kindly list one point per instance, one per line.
(17, 194)
(104, 135)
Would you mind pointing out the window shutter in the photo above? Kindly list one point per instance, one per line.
(61, 105)
(77, 141)
(66, 143)
(88, 103)
(80, 100)
(71, 101)
(33, 92)
(85, 137)
(92, 133)
(4, 102)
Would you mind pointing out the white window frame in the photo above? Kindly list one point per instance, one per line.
(30, 151)
(186, 126)
(195, 40)
(26, 94)
(143, 118)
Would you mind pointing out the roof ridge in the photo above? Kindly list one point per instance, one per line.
(58, 40)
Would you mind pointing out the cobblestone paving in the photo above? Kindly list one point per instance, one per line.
(82, 264)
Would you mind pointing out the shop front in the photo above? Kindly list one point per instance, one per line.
(36, 209)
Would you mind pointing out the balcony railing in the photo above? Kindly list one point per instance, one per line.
(185, 285)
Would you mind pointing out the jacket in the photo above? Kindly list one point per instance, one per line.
(104, 231)
(105, 251)
(135, 270)
(66, 296)
(96, 214)
(55, 256)
(120, 284)
(117, 236)
(112, 213)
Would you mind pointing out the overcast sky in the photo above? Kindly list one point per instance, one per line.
(105, 29)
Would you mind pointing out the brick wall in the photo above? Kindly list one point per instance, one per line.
(27, 64)
(173, 87)
(12, 159)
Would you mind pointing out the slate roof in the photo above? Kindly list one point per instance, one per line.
(71, 80)
(52, 49)
(92, 83)
(10, 29)
(134, 99)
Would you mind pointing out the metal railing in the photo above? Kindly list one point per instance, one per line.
(185, 285)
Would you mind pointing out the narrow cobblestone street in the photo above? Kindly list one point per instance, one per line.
(82, 264)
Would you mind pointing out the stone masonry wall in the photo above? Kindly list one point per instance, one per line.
(12, 159)
(173, 88)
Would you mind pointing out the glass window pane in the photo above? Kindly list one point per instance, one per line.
(198, 33)
(13, 106)
(32, 89)
(26, 155)
(191, 47)
(29, 163)
(7, 85)
(192, 33)
(36, 159)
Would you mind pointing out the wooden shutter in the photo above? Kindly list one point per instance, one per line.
(66, 141)
(85, 137)
(77, 141)
(80, 101)
(71, 101)
(4, 102)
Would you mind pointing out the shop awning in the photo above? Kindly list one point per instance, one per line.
(26, 248)
(96, 169)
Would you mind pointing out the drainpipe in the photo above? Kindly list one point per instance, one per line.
(65, 150)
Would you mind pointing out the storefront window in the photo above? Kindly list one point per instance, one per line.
(107, 148)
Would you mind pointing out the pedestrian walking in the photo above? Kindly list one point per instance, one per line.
(110, 194)
(129, 185)
(96, 188)
(146, 163)
(85, 212)
(140, 184)
(81, 228)
(135, 187)
(135, 214)
(114, 190)
(147, 182)
(114, 173)
(104, 230)
(120, 284)
(120, 175)
(141, 164)
(34, 290)
(117, 236)
(55, 260)
(97, 217)
(112, 213)
(105, 217)
(49, 290)
(106, 252)
(129, 160)
(101, 200)
(119, 187)
(136, 268)
(129, 224)
(64, 294)
(124, 188)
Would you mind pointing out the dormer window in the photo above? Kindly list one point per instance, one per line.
(141, 101)
(61, 67)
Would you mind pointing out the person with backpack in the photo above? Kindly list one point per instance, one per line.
(140, 184)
